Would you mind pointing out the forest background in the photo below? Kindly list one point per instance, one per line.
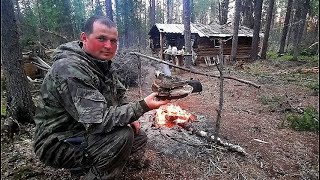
(48, 23)
(291, 33)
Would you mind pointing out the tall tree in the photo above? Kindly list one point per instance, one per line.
(152, 15)
(193, 16)
(187, 33)
(256, 29)
(235, 30)
(300, 18)
(109, 9)
(285, 27)
(66, 20)
(19, 101)
(223, 11)
(267, 29)
(247, 13)
(169, 11)
(213, 12)
(98, 8)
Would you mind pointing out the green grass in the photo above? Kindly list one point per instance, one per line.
(308, 121)
(310, 59)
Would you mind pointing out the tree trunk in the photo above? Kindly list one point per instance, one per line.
(223, 11)
(66, 20)
(187, 33)
(247, 14)
(285, 28)
(19, 101)
(152, 13)
(193, 17)
(256, 30)
(109, 9)
(267, 30)
(98, 8)
(235, 31)
(301, 18)
(213, 10)
(169, 11)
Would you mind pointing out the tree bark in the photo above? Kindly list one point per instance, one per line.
(193, 17)
(109, 9)
(301, 18)
(235, 31)
(285, 27)
(223, 11)
(152, 15)
(213, 10)
(267, 30)
(219, 111)
(256, 30)
(169, 11)
(247, 13)
(19, 101)
(187, 33)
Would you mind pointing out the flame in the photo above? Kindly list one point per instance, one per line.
(171, 114)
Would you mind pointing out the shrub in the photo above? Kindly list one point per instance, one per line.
(272, 55)
(308, 121)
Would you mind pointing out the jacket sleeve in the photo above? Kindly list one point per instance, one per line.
(87, 105)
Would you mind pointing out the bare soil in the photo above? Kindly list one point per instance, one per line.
(249, 119)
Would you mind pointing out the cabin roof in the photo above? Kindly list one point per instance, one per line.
(202, 30)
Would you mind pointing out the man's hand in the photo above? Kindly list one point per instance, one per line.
(136, 126)
(154, 103)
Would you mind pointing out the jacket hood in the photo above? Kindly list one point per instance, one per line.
(69, 50)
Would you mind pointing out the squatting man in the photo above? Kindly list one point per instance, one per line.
(84, 122)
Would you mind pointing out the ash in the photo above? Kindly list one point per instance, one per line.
(177, 140)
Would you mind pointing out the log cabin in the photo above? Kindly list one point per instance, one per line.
(204, 40)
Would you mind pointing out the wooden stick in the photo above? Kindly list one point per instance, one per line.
(195, 72)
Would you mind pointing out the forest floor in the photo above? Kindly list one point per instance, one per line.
(253, 118)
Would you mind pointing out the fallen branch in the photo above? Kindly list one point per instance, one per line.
(219, 141)
(195, 72)
(190, 144)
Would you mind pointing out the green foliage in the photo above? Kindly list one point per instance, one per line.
(307, 58)
(272, 55)
(308, 121)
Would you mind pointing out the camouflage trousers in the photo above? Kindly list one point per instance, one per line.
(102, 157)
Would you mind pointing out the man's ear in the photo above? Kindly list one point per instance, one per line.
(83, 37)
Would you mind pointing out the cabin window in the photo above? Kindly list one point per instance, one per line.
(216, 43)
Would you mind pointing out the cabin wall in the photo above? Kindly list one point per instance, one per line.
(204, 47)
(211, 49)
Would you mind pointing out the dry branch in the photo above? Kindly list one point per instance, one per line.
(219, 141)
(195, 72)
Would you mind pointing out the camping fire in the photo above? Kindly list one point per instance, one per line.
(170, 115)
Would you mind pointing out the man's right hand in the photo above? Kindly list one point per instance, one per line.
(153, 102)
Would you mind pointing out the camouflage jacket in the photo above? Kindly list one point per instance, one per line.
(82, 94)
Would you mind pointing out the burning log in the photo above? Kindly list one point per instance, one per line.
(170, 115)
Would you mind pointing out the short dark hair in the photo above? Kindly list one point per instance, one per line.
(88, 27)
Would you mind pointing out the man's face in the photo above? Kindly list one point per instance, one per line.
(102, 42)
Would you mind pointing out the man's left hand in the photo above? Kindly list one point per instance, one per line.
(136, 126)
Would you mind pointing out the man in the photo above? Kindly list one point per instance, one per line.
(84, 121)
